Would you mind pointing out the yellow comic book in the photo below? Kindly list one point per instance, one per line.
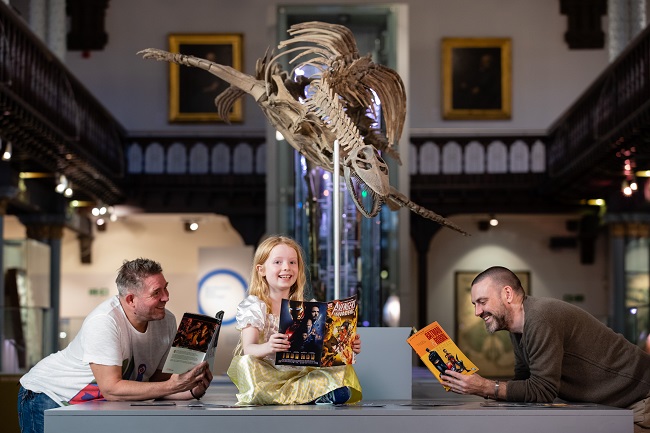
(439, 352)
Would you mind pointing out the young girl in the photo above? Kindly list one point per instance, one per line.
(279, 273)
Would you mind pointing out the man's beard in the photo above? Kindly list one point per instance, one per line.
(497, 323)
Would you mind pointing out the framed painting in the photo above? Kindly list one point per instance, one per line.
(492, 353)
(476, 78)
(191, 90)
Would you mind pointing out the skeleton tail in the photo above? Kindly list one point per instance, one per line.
(396, 200)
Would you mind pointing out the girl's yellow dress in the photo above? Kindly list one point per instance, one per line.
(260, 381)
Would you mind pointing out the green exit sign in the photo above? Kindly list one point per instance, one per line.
(98, 291)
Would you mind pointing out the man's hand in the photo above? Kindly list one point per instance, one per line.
(204, 382)
(470, 384)
(197, 379)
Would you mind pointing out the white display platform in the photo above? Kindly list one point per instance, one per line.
(386, 417)
(386, 376)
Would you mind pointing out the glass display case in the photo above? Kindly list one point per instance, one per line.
(301, 195)
(27, 309)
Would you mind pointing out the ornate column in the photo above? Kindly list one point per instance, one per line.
(55, 36)
(49, 229)
(422, 231)
(38, 17)
(626, 19)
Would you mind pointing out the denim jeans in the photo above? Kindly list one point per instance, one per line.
(31, 408)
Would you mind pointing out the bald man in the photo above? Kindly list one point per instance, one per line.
(560, 351)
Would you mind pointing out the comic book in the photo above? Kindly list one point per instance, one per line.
(340, 332)
(439, 352)
(195, 341)
(320, 333)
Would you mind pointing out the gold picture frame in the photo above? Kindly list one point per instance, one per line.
(491, 353)
(476, 78)
(192, 90)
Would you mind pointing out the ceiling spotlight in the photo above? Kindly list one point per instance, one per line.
(191, 226)
(62, 184)
(493, 221)
(625, 187)
(6, 154)
(68, 192)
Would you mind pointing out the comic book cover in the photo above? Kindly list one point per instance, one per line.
(340, 331)
(304, 324)
(439, 352)
(195, 341)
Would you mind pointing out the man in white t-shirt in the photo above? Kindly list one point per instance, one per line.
(118, 353)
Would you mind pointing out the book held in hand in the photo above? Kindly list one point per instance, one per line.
(439, 352)
(320, 333)
(196, 341)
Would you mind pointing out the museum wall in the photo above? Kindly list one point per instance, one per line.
(513, 243)
(546, 78)
(520, 243)
(546, 75)
(155, 236)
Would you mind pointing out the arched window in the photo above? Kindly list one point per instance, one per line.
(176, 159)
(519, 157)
(497, 157)
(154, 158)
(134, 155)
(474, 158)
(199, 159)
(452, 158)
(220, 159)
(429, 158)
(242, 159)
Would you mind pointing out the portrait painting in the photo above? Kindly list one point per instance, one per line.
(476, 78)
(193, 90)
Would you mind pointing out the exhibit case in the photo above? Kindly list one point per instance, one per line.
(27, 308)
(300, 195)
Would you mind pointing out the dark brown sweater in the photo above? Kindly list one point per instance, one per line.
(565, 352)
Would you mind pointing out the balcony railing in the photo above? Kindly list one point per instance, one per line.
(611, 116)
(50, 117)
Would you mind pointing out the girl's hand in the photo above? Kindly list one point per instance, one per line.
(279, 343)
(356, 344)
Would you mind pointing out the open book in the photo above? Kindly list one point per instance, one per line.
(320, 333)
(439, 352)
(195, 342)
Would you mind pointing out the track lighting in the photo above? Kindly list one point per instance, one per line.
(6, 153)
(625, 187)
(62, 184)
(103, 214)
(485, 225)
(191, 226)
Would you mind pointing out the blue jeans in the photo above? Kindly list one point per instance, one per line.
(31, 408)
